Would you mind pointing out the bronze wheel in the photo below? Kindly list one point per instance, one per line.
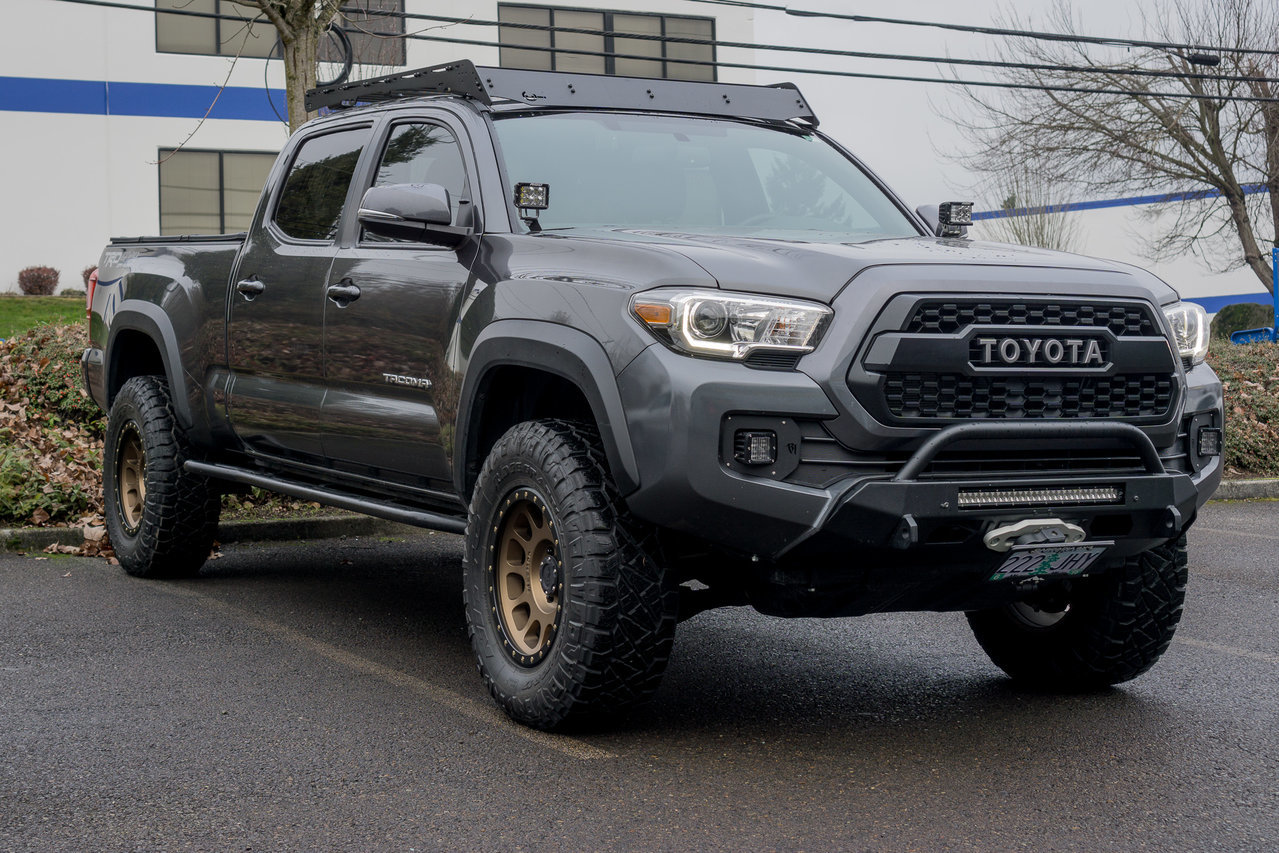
(569, 614)
(526, 573)
(161, 519)
(131, 474)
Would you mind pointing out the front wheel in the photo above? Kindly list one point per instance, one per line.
(569, 614)
(161, 519)
(1103, 630)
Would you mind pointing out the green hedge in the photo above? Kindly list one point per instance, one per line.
(1250, 376)
(51, 432)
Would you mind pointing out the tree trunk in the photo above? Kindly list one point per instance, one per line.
(299, 73)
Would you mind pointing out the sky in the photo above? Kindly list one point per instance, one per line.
(900, 128)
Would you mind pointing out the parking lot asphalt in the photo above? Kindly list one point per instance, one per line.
(322, 695)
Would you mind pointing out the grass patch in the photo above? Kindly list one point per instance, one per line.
(19, 313)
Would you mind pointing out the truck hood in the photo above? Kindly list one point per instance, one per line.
(821, 270)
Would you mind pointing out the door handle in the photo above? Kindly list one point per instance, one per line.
(250, 288)
(343, 293)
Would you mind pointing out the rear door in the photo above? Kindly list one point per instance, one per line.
(391, 372)
(276, 319)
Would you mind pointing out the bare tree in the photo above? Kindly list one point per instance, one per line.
(1133, 136)
(300, 25)
(1030, 213)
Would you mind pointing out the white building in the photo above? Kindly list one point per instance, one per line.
(92, 110)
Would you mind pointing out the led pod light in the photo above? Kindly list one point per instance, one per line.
(730, 325)
(1190, 329)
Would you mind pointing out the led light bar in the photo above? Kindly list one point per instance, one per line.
(995, 498)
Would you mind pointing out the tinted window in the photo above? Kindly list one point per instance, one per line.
(633, 44)
(311, 203)
(210, 192)
(234, 30)
(421, 153)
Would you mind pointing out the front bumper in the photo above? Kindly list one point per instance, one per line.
(676, 414)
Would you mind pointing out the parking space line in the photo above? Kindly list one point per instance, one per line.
(1238, 533)
(483, 712)
(1227, 650)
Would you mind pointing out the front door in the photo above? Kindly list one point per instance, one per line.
(276, 322)
(392, 386)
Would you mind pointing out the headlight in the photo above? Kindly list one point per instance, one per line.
(729, 325)
(1190, 330)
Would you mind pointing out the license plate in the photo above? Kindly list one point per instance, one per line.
(1030, 561)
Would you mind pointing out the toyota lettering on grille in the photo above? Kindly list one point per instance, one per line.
(1041, 351)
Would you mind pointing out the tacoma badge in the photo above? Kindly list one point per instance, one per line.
(411, 381)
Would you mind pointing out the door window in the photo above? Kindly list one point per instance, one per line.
(311, 202)
(421, 153)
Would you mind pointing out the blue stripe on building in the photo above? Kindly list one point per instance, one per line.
(1213, 304)
(168, 100)
(1194, 195)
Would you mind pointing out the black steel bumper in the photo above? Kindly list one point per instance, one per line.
(676, 409)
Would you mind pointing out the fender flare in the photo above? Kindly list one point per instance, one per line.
(564, 352)
(134, 315)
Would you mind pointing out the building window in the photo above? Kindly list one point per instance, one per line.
(375, 27)
(642, 43)
(210, 192)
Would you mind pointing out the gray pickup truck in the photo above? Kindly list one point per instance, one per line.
(655, 347)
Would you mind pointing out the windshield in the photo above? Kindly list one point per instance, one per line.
(691, 174)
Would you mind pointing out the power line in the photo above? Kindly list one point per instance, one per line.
(993, 31)
(854, 74)
(821, 51)
(747, 66)
(853, 54)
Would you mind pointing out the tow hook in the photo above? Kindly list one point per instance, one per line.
(1033, 531)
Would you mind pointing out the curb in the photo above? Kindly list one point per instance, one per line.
(319, 527)
(1245, 490)
(339, 526)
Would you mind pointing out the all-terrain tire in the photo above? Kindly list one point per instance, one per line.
(609, 605)
(1115, 627)
(161, 519)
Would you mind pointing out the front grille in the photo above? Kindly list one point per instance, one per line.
(949, 395)
(939, 317)
(931, 360)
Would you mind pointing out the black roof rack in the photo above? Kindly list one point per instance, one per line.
(781, 102)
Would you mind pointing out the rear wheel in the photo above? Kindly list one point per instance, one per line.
(1101, 631)
(569, 614)
(161, 519)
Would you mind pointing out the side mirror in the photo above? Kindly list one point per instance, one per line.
(410, 212)
(949, 219)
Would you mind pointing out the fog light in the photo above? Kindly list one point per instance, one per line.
(755, 447)
(1210, 441)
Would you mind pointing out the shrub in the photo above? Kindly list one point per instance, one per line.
(1250, 378)
(41, 369)
(86, 272)
(38, 281)
(1240, 316)
(29, 494)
